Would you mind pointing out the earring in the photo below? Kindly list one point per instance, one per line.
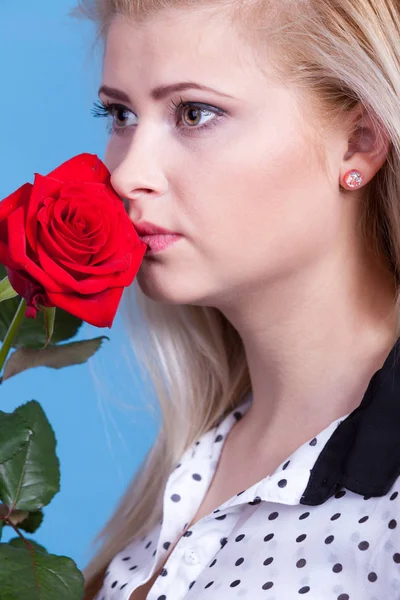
(353, 179)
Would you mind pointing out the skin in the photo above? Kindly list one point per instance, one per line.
(270, 238)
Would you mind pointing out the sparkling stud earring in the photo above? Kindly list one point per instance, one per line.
(353, 179)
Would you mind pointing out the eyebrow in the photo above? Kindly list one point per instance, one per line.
(161, 92)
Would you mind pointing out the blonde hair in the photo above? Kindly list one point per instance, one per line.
(343, 52)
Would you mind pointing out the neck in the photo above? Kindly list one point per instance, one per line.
(313, 343)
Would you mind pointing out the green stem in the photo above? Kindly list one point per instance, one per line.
(12, 332)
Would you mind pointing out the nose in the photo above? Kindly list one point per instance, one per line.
(137, 172)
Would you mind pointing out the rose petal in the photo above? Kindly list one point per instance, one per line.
(94, 284)
(111, 267)
(5, 258)
(51, 245)
(25, 287)
(59, 223)
(83, 167)
(18, 198)
(99, 310)
(17, 249)
(42, 189)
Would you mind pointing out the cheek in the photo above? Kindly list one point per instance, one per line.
(270, 208)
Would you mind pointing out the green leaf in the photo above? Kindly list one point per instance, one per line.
(33, 331)
(6, 290)
(14, 435)
(18, 542)
(36, 575)
(33, 522)
(55, 357)
(49, 315)
(29, 480)
(14, 517)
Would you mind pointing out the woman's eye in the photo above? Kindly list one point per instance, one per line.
(120, 117)
(195, 116)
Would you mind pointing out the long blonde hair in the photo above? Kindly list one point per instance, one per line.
(342, 51)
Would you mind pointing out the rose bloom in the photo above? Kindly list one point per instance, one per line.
(67, 242)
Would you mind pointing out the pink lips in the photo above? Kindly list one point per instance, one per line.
(158, 242)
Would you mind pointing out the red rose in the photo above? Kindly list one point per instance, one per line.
(67, 242)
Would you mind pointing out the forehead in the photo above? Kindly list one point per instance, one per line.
(179, 45)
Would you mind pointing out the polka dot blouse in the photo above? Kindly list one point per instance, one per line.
(323, 526)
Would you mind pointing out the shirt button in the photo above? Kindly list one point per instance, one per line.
(191, 557)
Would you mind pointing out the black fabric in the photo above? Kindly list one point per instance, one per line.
(363, 454)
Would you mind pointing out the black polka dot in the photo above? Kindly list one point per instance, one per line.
(285, 466)
(235, 583)
(208, 585)
(114, 584)
(273, 516)
(126, 558)
(268, 537)
(329, 539)
(148, 545)
(392, 524)
(312, 443)
(240, 537)
(363, 545)
(256, 500)
(155, 552)
(166, 545)
(301, 538)
(163, 597)
(304, 590)
(196, 477)
(191, 585)
(335, 516)
(219, 438)
(304, 516)
(240, 493)
(301, 563)
(187, 533)
(394, 495)
(239, 562)
(122, 586)
(164, 572)
(238, 415)
(223, 541)
(268, 561)
(213, 562)
(363, 519)
(340, 494)
(396, 557)
(268, 585)
(133, 568)
(337, 568)
(372, 577)
(343, 597)
(175, 497)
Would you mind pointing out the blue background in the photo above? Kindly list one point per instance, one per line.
(99, 410)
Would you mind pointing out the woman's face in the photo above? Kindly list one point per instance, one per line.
(234, 170)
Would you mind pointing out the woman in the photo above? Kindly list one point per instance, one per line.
(269, 327)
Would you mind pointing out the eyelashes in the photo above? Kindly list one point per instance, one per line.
(112, 111)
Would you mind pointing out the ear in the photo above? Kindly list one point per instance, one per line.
(368, 145)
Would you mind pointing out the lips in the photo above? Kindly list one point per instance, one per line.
(145, 228)
(157, 243)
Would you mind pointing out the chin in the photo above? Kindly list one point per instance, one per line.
(170, 293)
